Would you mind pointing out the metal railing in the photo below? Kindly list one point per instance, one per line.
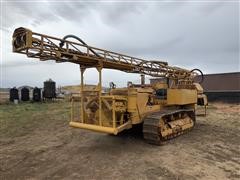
(110, 105)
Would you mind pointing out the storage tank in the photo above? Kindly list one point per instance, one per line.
(13, 94)
(49, 89)
(25, 94)
(37, 96)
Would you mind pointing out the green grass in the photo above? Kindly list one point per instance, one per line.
(18, 120)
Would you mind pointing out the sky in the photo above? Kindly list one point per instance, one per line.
(189, 34)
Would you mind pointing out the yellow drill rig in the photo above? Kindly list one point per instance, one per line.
(165, 109)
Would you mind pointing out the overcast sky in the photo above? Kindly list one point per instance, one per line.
(190, 34)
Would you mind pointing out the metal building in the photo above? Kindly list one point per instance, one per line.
(219, 87)
(222, 87)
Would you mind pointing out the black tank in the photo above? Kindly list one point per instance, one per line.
(49, 89)
(25, 94)
(13, 94)
(37, 94)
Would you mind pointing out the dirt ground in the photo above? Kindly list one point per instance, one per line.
(37, 143)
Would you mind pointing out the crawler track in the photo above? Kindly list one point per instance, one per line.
(162, 126)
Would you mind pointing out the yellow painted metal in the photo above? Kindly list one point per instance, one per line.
(122, 107)
(114, 113)
(138, 104)
(184, 124)
(102, 129)
(46, 47)
(72, 108)
(198, 87)
(160, 86)
(93, 127)
(202, 98)
(100, 93)
(181, 96)
(132, 100)
(82, 69)
(127, 125)
(117, 97)
(19, 45)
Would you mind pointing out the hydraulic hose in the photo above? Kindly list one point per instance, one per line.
(61, 44)
(202, 77)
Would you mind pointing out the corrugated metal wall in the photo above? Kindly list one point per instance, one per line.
(221, 82)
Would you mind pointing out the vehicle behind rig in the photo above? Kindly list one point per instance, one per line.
(166, 108)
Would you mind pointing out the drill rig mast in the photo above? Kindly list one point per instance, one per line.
(165, 109)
